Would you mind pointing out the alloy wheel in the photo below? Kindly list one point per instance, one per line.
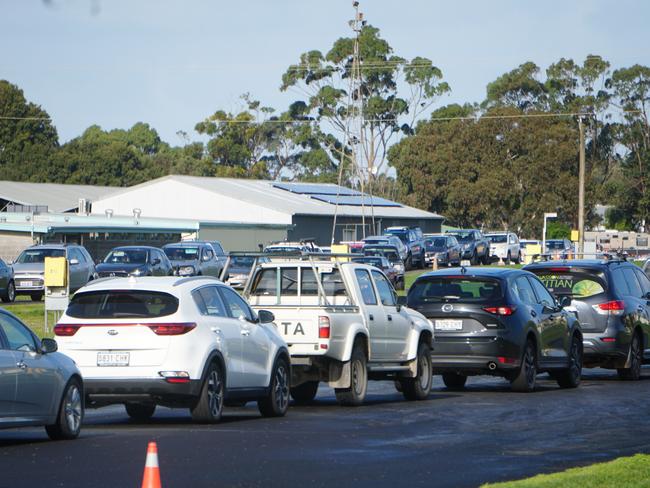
(73, 409)
(281, 387)
(215, 393)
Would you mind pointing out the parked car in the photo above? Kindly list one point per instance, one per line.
(355, 247)
(646, 267)
(38, 385)
(413, 238)
(444, 249)
(559, 248)
(288, 246)
(7, 285)
(390, 253)
(193, 258)
(504, 246)
(344, 326)
(135, 261)
(475, 247)
(238, 269)
(611, 299)
(382, 263)
(500, 322)
(388, 240)
(29, 268)
(220, 255)
(179, 342)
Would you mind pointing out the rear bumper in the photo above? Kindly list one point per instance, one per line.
(470, 355)
(600, 352)
(107, 391)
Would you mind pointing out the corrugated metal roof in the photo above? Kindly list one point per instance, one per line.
(264, 193)
(57, 197)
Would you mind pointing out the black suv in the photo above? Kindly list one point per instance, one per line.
(500, 322)
(611, 299)
(135, 261)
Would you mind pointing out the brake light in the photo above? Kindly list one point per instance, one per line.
(614, 307)
(560, 270)
(172, 328)
(504, 360)
(323, 327)
(66, 330)
(501, 311)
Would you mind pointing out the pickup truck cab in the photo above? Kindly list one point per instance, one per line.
(343, 325)
(474, 246)
(413, 238)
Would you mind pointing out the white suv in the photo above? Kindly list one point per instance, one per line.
(178, 342)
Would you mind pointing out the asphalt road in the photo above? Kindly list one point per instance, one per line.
(485, 433)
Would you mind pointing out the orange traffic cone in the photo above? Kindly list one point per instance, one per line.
(151, 478)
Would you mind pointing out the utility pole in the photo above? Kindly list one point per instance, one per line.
(581, 191)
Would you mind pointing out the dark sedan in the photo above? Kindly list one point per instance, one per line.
(501, 322)
(382, 263)
(135, 261)
(445, 250)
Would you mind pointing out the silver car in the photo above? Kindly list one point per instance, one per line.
(38, 386)
(29, 268)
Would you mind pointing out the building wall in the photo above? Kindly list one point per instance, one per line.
(320, 227)
(177, 200)
(12, 243)
(241, 238)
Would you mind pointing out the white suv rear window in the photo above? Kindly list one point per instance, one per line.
(117, 304)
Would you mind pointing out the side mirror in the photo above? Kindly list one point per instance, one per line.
(401, 300)
(49, 346)
(265, 317)
(565, 301)
(74, 261)
(155, 261)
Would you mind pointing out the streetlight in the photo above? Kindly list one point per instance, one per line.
(547, 215)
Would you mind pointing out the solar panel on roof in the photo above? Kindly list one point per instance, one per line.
(316, 189)
(356, 200)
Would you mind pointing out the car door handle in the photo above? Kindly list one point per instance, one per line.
(245, 332)
(371, 317)
(390, 317)
(216, 330)
(533, 313)
(21, 365)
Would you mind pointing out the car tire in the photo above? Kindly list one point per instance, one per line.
(356, 394)
(421, 262)
(140, 412)
(276, 403)
(486, 259)
(524, 379)
(508, 258)
(518, 260)
(305, 392)
(454, 381)
(570, 377)
(474, 259)
(408, 263)
(36, 297)
(71, 413)
(400, 284)
(10, 294)
(633, 373)
(418, 388)
(209, 405)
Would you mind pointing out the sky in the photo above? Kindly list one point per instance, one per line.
(172, 63)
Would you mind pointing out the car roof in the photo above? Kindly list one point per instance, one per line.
(168, 284)
(186, 244)
(584, 263)
(135, 247)
(53, 246)
(474, 272)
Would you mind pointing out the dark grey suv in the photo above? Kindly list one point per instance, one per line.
(611, 299)
(500, 322)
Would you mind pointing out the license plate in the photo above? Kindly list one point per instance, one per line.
(448, 324)
(27, 283)
(112, 359)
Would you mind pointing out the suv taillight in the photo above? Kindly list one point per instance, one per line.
(323, 327)
(172, 328)
(502, 311)
(66, 330)
(614, 307)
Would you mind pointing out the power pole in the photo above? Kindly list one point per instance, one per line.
(581, 191)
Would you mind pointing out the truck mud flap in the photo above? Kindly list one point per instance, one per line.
(339, 375)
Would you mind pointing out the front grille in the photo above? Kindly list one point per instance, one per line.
(29, 282)
(110, 274)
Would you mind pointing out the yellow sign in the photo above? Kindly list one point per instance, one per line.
(340, 249)
(575, 235)
(532, 250)
(56, 272)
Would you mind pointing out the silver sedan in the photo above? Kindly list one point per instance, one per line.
(38, 386)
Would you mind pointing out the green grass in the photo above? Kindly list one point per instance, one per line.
(628, 472)
(32, 314)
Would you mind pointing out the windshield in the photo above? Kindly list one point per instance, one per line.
(39, 255)
(369, 260)
(462, 236)
(130, 256)
(182, 253)
(119, 304)
(289, 249)
(241, 261)
(554, 244)
(577, 284)
(438, 242)
(498, 239)
(402, 234)
(444, 288)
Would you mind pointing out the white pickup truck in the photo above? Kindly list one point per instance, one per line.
(343, 324)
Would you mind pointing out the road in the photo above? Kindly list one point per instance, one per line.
(485, 433)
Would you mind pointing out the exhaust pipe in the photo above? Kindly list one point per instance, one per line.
(492, 365)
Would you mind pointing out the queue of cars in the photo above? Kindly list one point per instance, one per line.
(193, 342)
